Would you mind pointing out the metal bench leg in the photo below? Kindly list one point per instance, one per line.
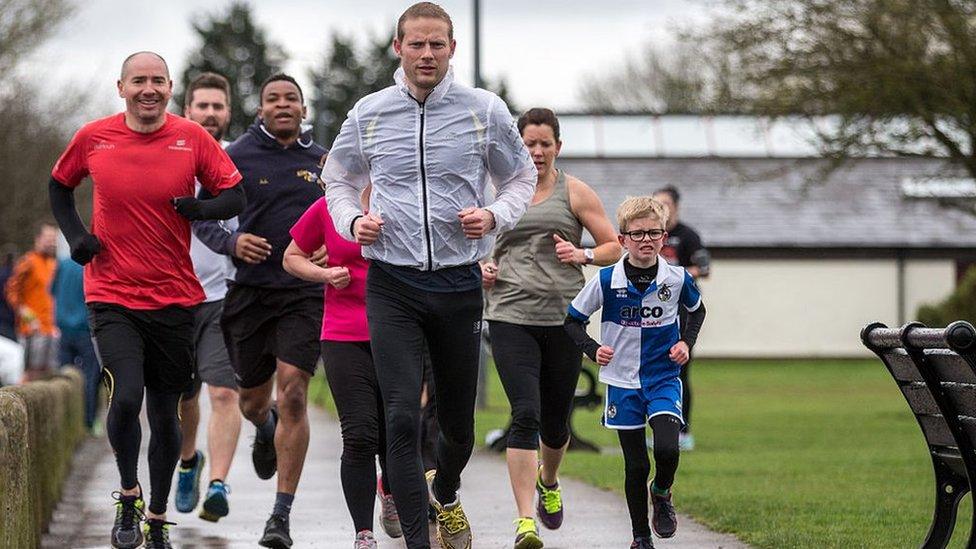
(949, 490)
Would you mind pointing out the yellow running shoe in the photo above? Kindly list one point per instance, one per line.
(527, 534)
(453, 529)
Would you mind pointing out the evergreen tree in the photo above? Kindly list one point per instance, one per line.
(234, 46)
(344, 78)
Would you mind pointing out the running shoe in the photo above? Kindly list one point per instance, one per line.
(157, 534)
(263, 451)
(129, 510)
(215, 505)
(550, 504)
(527, 534)
(188, 485)
(642, 543)
(663, 519)
(453, 528)
(686, 442)
(276, 534)
(389, 518)
(364, 540)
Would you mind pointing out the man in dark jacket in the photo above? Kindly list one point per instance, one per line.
(271, 320)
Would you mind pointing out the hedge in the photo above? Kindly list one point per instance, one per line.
(41, 424)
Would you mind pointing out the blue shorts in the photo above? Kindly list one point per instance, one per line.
(625, 409)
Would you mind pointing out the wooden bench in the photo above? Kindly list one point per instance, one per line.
(936, 372)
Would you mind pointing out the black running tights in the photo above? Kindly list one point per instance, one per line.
(637, 466)
(401, 320)
(352, 380)
(125, 433)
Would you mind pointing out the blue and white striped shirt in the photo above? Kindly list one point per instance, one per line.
(640, 327)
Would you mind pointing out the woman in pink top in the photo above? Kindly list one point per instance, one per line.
(348, 365)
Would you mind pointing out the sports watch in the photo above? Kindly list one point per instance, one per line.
(588, 254)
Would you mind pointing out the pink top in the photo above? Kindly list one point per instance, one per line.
(344, 317)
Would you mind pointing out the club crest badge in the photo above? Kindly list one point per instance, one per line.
(611, 411)
(664, 292)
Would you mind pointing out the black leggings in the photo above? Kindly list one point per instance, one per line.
(352, 380)
(151, 353)
(637, 466)
(539, 367)
(401, 320)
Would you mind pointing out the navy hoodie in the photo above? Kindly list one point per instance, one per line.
(280, 184)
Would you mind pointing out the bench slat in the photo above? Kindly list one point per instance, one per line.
(951, 457)
(963, 398)
(901, 366)
(920, 398)
(935, 430)
(950, 366)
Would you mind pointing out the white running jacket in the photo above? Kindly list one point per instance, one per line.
(428, 161)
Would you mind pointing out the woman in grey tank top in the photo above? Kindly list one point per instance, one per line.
(535, 271)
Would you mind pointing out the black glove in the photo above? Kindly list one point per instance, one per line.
(85, 248)
(189, 207)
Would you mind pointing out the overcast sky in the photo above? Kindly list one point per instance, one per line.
(544, 48)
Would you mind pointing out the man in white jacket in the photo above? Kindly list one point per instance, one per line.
(429, 145)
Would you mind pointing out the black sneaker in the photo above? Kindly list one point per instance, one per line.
(129, 510)
(263, 451)
(663, 519)
(157, 534)
(642, 543)
(276, 533)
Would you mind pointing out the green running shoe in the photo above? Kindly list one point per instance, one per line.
(527, 534)
(157, 534)
(129, 511)
(550, 504)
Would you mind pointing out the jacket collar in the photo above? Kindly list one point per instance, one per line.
(618, 279)
(439, 91)
(266, 139)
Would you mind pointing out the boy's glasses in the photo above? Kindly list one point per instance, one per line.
(653, 234)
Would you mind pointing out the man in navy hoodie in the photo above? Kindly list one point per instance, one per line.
(271, 320)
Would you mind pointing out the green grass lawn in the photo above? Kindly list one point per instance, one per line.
(789, 454)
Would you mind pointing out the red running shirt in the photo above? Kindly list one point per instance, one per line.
(145, 259)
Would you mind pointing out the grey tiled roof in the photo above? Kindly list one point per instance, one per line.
(783, 203)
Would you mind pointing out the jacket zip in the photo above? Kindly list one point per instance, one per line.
(423, 182)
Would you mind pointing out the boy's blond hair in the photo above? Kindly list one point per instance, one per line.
(637, 207)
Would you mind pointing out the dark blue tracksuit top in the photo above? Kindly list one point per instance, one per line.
(280, 184)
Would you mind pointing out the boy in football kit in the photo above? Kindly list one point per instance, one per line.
(641, 356)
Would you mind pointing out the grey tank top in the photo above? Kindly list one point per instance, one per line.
(533, 287)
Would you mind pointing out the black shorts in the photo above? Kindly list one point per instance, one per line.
(160, 340)
(264, 324)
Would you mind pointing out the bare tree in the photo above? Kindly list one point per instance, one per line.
(33, 130)
(26, 24)
(900, 75)
(681, 78)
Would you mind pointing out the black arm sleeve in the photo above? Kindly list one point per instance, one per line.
(577, 332)
(84, 246)
(63, 207)
(695, 321)
(227, 204)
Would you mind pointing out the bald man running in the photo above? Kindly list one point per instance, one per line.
(140, 287)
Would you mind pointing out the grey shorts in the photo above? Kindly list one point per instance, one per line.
(212, 364)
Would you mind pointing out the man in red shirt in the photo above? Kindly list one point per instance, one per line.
(140, 286)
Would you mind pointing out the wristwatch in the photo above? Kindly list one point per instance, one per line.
(588, 254)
